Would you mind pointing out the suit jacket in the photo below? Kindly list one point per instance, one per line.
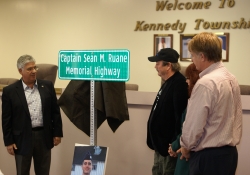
(164, 124)
(16, 120)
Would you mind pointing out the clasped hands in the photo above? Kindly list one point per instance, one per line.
(185, 154)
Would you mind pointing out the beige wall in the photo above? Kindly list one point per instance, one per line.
(42, 28)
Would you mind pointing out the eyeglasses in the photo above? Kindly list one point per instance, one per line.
(30, 69)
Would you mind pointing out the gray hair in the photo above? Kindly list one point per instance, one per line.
(24, 59)
(175, 66)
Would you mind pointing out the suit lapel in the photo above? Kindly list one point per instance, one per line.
(21, 95)
(41, 89)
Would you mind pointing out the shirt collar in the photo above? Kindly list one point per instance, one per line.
(211, 68)
(25, 86)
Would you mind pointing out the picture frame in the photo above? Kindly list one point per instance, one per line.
(185, 55)
(162, 41)
(225, 45)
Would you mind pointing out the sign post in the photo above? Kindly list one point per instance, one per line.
(100, 65)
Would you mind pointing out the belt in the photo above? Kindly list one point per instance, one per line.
(37, 128)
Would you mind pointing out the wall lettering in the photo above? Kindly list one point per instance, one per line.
(199, 23)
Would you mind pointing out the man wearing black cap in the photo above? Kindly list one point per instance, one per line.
(164, 123)
(87, 164)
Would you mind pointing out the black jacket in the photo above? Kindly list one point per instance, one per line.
(164, 122)
(16, 121)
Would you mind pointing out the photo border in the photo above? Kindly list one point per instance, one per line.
(226, 46)
(184, 37)
(98, 154)
(156, 36)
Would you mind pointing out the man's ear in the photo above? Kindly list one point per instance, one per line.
(20, 71)
(202, 56)
(169, 65)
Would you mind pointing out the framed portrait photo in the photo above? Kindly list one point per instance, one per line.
(184, 53)
(89, 159)
(224, 37)
(185, 38)
(162, 41)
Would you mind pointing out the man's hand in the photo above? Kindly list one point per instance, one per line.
(185, 153)
(171, 152)
(11, 148)
(57, 140)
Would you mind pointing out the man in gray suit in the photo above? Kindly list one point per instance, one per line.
(31, 119)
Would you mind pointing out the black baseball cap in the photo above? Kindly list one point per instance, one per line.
(87, 156)
(167, 54)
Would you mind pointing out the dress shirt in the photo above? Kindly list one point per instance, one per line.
(34, 104)
(214, 113)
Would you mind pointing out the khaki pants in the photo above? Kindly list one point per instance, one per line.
(163, 165)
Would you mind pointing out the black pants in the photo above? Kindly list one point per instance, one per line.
(41, 157)
(214, 161)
